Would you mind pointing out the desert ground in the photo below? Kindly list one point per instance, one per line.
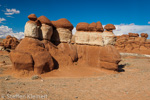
(78, 82)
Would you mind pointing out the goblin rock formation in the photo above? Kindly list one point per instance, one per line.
(133, 43)
(47, 46)
(94, 34)
(10, 42)
(62, 31)
(92, 46)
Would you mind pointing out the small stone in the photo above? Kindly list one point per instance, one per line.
(7, 79)
(35, 77)
(76, 97)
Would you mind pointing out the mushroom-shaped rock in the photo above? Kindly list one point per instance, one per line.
(62, 31)
(92, 27)
(109, 27)
(82, 26)
(44, 20)
(99, 27)
(32, 17)
(108, 36)
(62, 23)
(31, 29)
(89, 34)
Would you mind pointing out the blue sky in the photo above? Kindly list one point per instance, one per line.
(106, 11)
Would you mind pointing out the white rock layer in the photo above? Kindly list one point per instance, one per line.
(31, 30)
(108, 38)
(62, 35)
(89, 38)
(47, 31)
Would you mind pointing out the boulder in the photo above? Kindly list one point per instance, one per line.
(109, 27)
(45, 20)
(82, 26)
(21, 61)
(99, 27)
(32, 17)
(62, 23)
(92, 27)
(41, 57)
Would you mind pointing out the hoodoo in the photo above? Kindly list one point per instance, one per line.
(108, 35)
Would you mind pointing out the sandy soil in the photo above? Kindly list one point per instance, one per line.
(79, 82)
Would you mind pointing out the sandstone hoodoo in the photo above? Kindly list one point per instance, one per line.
(133, 43)
(91, 48)
(108, 35)
(89, 34)
(62, 37)
(62, 31)
(10, 42)
(46, 28)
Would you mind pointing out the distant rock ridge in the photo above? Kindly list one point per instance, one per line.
(133, 43)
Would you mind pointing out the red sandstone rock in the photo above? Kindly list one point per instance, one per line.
(109, 27)
(59, 54)
(41, 57)
(82, 26)
(92, 27)
(99, 27)
(102, 57)
(32, 17)
(44, 20)
(62, 23)
(21, 60)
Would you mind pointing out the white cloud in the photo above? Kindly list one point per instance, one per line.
(149, 22)
(11, 11)
(2, 19)
(5, 30)
(10, 16)
(125, 29)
